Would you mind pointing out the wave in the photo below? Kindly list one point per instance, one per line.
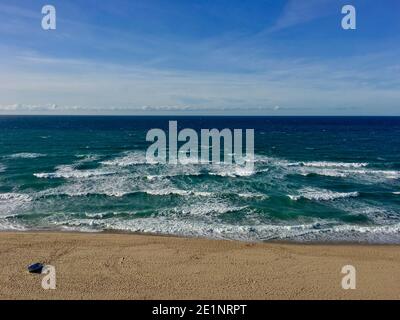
(354, 170)
(26, 155)
(203, 210)
(69, 172)
(120, 186)
(2, 167)
(87, 157)
(7, 225)
(10, 202)
(231, 171)
(370, 174)
(187, 169)
(376, 213)
(324, 172)
(317, 164)
(156, 192)
(166, 192)
(247, 195)
(330, 164)
(14, 196)
(301, 232)
(263, 164)
(129, 159)
(97, 182)
(322, 195)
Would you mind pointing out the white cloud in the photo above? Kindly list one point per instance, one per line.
(302, 11)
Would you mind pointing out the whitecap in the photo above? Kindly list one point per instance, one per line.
(14, 196)
(83, 158)
(252, 195)
(324, 172)
(69, 172)
(231, 171)
(322, 194)
(166, 192)
(363, 174)
(26, 155)
(129, 159)
(330, 164)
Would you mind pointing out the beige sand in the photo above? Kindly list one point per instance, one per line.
(129, 266)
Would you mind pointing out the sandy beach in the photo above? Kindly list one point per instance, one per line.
(132, 266)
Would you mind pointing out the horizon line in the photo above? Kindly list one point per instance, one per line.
(191, 115)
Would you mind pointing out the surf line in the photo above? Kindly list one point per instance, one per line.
(188, 153)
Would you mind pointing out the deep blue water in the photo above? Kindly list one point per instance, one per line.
(315, 179)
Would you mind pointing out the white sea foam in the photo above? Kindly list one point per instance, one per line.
(117, 185)
(203, 209)
(14, 196)
(397, 192)
(270, 160)
(321, 194)
(363, 174)
(2, 167)
(390, 174)
(69, 172)
(79, 192)
(129, 159)
(7, 225)
(201, 213)
(84, 158)
(231, 171)
(324, 172)
(252, 195)
(165, 192)
(187, 227)
(330, 164)
(26, 155)
(202, 193)
(110, 185)
(353, 170)
(10, 202)
(376, 213)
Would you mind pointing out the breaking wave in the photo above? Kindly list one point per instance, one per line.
(128, 159)
(217, 201)
(69, 172)
(300, 232)
(10, 202)
(26, 155)
(322, 195)
(329, 164)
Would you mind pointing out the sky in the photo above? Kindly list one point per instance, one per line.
(208, 57)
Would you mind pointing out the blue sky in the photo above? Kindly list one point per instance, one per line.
(267, 57)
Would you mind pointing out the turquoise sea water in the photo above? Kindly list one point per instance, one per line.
(315, 179)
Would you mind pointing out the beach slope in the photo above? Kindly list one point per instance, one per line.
(131, 266)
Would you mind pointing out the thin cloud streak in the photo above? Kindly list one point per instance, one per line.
(298, 12)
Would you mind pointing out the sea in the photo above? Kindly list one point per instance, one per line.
(315, 179)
